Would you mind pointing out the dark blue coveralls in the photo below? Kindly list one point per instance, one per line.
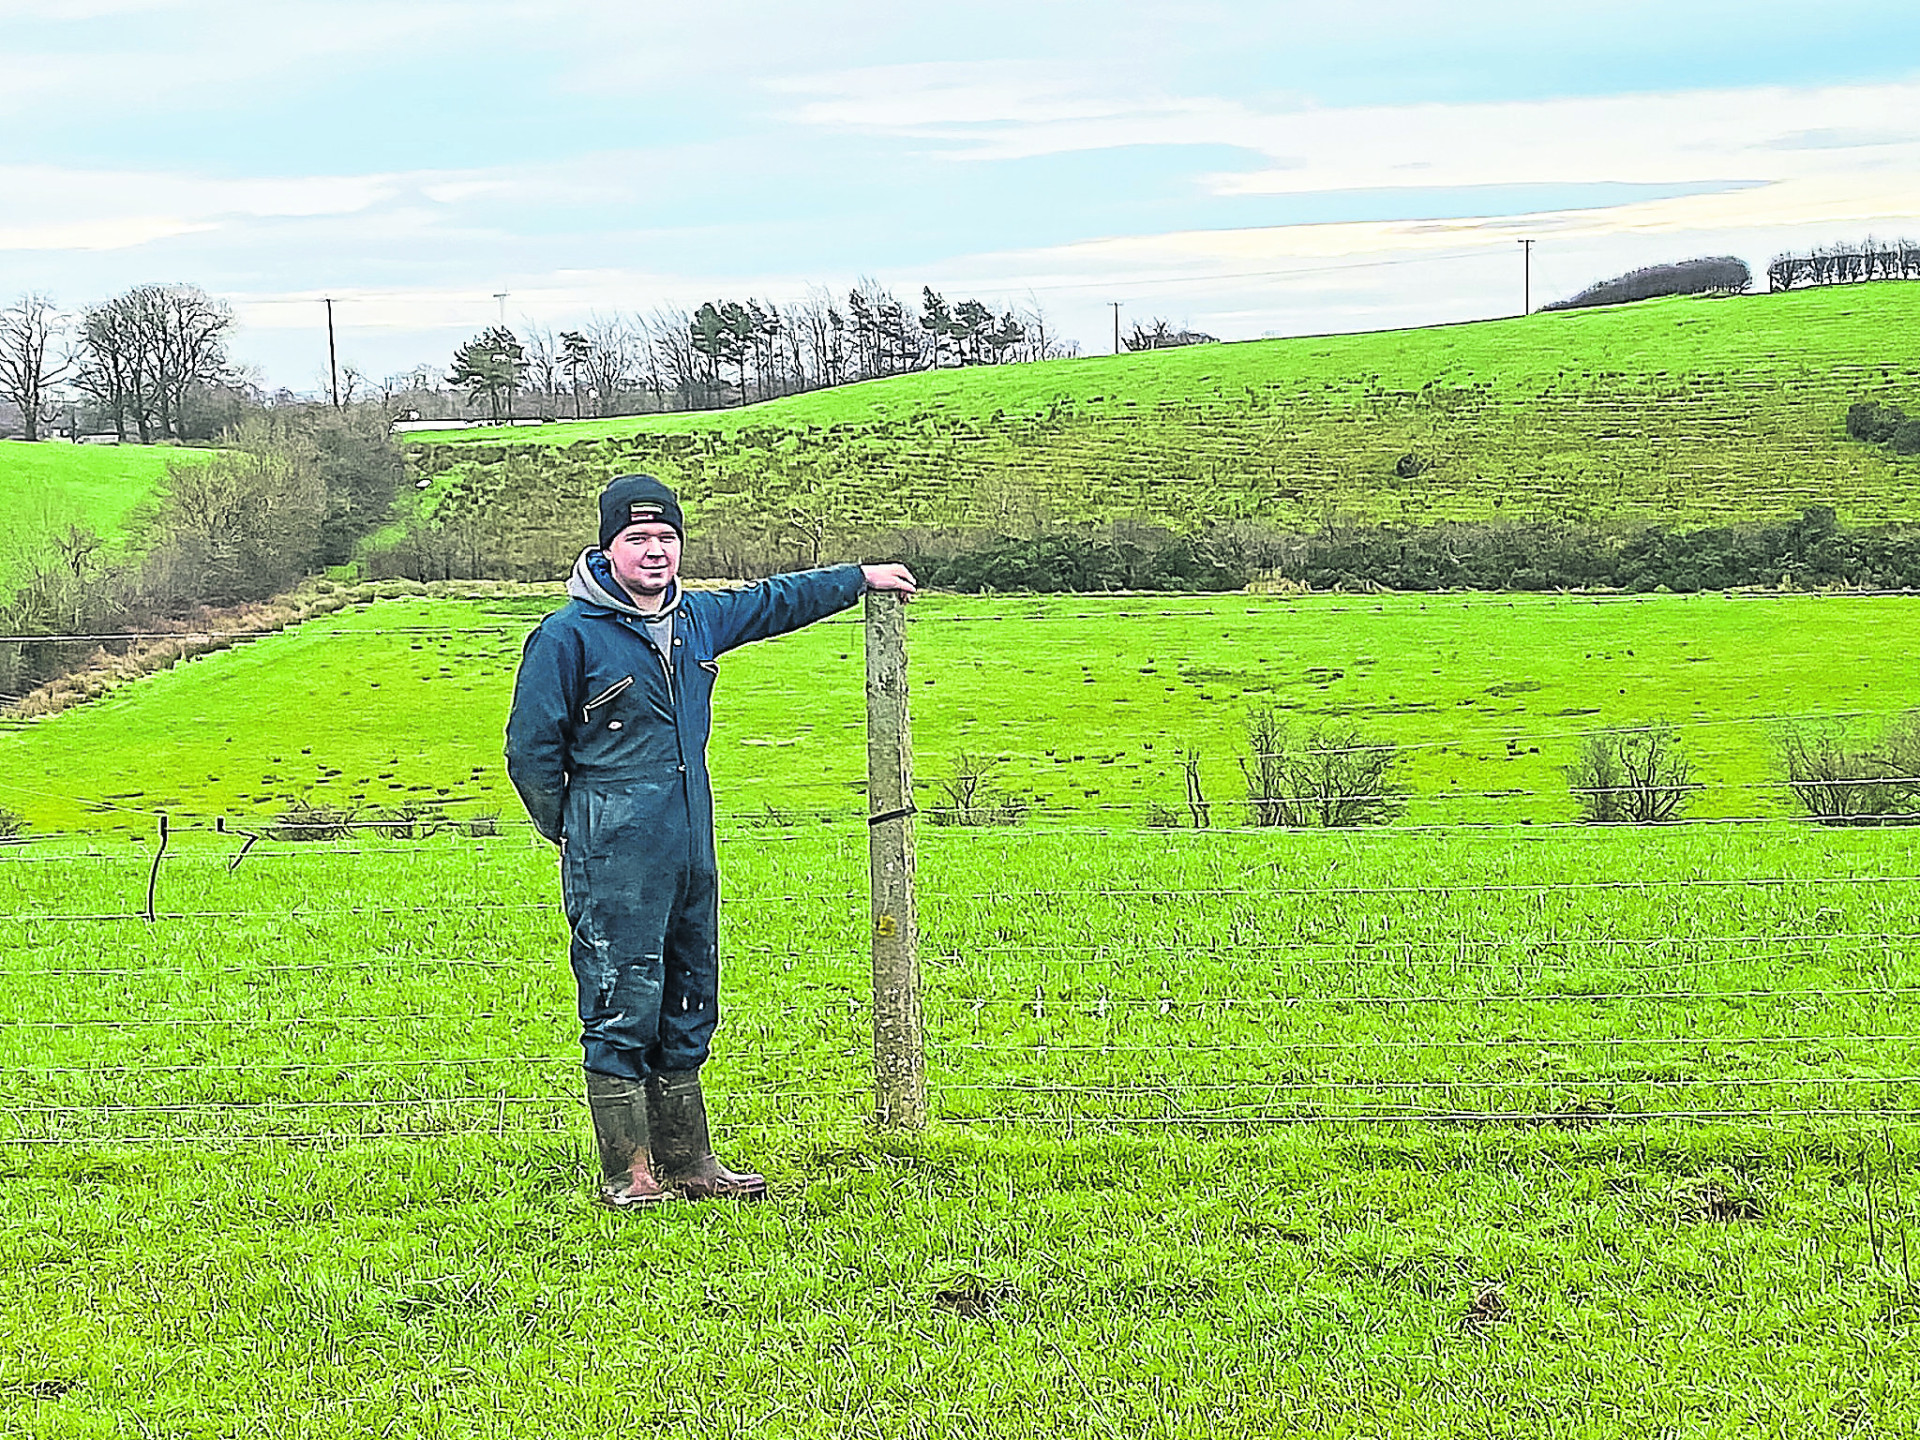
(607, 745)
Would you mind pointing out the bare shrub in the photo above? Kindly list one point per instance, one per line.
(12, 823)
(1334, 777)
(1839, 779)
(481, 826)
(972, 797)
(1632, 777)
(407, 820)
(302, 820)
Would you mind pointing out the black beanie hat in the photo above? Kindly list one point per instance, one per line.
(637, 500)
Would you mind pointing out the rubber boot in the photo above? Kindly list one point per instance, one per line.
(619, 1109)
(678, 1114)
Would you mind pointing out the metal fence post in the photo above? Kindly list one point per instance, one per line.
(899, 1047)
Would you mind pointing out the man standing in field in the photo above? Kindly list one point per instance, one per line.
(607, 745)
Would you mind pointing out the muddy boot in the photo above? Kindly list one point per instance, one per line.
(678, 1113)
(620, 1129)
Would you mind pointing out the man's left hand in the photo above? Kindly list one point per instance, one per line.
(890, 577)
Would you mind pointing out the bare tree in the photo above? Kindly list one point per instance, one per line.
(819, 331)
(684, 366)
(113, 366)
(145, 350)
(545, 367)
(185, 332)
(28, 372)
(613, 360)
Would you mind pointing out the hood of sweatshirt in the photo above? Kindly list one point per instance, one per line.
(592, 581)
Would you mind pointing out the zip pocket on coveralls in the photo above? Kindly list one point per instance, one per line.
(586, 711)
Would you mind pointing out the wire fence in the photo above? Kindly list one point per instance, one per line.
(227, 980)
(1771, 1022)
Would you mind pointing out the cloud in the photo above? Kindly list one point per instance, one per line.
(1202, 255)
(118, 232)
(110, 209)
(1689, 136)
(983, 113)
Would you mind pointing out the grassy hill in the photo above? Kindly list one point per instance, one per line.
(45, 487)
(1684, 410)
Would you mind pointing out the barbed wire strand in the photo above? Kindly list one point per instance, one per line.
(1169, 1089)
(1147, 952)
(1277, 1048)
(1315, 1116)
(1167, 1002)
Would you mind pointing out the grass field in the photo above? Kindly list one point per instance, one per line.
(1428, 1130)
(1680, 411)
(45, 487)
(303, 1157)
(1087, 702)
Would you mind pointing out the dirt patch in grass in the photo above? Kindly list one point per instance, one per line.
(49, 1389)
(973, 1299)
(1722, 1204)
(1488, 1309)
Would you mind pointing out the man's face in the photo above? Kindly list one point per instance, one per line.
(645, 558)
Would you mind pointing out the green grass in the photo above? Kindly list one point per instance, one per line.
(45, 487)
(1088, 701)
(245, 1208)
(1679, 411)
(1429, 1130)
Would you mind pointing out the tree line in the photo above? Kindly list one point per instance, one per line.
(149, 364)
(152, 364)
(1845, 264)
(1711, 275)
(731, 352)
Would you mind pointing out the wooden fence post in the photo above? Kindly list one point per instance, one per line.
(899, 1047)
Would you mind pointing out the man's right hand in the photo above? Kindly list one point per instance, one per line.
(891, 577)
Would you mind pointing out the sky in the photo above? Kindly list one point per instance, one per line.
(1245, 169)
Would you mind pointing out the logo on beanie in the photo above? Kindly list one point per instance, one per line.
(641, 513)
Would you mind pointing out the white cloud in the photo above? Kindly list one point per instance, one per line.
(1222, 256)
(1756, 134)
(118, 232)
(110, 210)
(991, 112)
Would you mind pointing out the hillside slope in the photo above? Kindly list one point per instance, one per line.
(1682, 410)
(47, 486)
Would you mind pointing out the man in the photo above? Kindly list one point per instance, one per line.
(607, 745)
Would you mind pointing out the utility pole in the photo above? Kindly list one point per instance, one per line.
(333, 363)
(1526, 277)
(1116, 325)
